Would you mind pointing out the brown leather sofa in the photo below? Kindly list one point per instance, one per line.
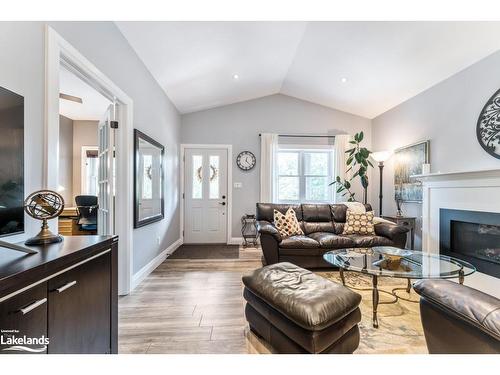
(323, 225)
(458, 319)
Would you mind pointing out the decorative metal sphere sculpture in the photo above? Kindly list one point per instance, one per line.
(44, 205)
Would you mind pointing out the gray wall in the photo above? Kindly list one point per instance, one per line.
(446, 114)
(66, 159)
(22, 70)
(84, 134)
(240, 124)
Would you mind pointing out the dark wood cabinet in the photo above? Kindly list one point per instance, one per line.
(67, 293)
(79, 309)
(24, 314)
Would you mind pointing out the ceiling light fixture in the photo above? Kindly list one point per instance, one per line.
(236, 77)
(343, 80)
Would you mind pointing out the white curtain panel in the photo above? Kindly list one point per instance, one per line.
(268, 151)
(340, 146)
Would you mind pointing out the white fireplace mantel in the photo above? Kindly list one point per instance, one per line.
(473, 190)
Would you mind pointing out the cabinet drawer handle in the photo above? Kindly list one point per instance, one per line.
(33, 306)
(66, 286)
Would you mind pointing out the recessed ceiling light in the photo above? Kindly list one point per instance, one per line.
(236, 77)
(343, 80)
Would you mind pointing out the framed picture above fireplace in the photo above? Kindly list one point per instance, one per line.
(408, 161)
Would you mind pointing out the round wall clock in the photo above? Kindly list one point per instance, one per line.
(488, 126)
(245, 160)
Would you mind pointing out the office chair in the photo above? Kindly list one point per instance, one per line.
(87, 212)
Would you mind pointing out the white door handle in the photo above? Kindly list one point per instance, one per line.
(66, 286)
(33, 306)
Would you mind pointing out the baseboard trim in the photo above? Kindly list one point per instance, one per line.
(144, 272)
(235, 241)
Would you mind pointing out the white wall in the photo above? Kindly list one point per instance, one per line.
(66, 159)
(84, 134)
(240, 124)
(446, 114)
(22, 70)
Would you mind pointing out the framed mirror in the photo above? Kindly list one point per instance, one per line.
(148, 180)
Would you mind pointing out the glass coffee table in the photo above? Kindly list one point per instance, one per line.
(386, 261)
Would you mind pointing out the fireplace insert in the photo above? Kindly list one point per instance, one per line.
(472, 236)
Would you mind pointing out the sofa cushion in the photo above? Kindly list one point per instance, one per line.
(339, 211)
(359, 223)
(332, 241)
(369, 241)
(316, 213)
(309, 300)
(265, 211)
(287, 224)
(299, 242)
(312, 227)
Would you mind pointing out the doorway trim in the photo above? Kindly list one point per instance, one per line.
(59, 52)
(229, 148)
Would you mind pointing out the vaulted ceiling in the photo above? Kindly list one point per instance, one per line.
(363, 68)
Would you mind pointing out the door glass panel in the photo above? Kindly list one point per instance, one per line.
(288, 188)
(197, 178)
(317, 189)
(214, 177)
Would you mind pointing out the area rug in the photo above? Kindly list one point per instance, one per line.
(400, 328)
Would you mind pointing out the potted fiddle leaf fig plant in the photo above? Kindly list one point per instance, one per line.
(357, 162)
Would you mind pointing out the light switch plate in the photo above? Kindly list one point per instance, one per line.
(237, 185)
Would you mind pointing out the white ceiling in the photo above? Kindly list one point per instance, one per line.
(94, 104)
(385, 63)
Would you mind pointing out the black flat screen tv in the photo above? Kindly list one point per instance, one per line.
(11, 162)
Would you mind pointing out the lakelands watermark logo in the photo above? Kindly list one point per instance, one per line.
(15, 342)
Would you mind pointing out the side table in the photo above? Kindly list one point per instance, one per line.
(408, 222)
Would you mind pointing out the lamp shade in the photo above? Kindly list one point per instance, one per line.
(381, 156)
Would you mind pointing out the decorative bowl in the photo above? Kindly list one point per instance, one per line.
(392, 256)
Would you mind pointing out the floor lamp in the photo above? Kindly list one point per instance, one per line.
(380, 157)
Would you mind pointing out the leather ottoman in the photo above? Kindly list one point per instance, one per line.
(296, 311)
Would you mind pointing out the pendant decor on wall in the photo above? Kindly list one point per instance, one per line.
(488, 126)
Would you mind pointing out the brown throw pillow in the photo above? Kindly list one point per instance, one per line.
(359, 223)
(287, 224)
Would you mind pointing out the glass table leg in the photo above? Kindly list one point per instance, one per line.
(461, 276)
(375, 300)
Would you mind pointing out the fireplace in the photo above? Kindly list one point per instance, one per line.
(472, 236)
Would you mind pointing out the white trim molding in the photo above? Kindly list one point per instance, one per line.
(152, 265)
(464, 190)
(58, 53)
(235, 241)
(229, 215)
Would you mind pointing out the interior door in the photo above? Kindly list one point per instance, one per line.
(205, 195)
(105, 219)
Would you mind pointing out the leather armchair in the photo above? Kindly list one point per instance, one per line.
(458, 319)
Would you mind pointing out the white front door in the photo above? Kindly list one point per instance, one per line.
(105, 214)
(205, 195)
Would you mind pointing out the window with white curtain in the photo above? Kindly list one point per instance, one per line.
(303, 174)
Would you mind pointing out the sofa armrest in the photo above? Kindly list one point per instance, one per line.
(463, 303)
(269, 240)
(396, 233)
(265, 227)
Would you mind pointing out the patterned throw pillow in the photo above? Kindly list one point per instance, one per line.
(359, 223)
(287, 224)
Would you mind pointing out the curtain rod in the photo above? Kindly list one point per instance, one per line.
(303, 136)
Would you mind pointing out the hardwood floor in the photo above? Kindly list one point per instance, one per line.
(196, 306)
(189, 306)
